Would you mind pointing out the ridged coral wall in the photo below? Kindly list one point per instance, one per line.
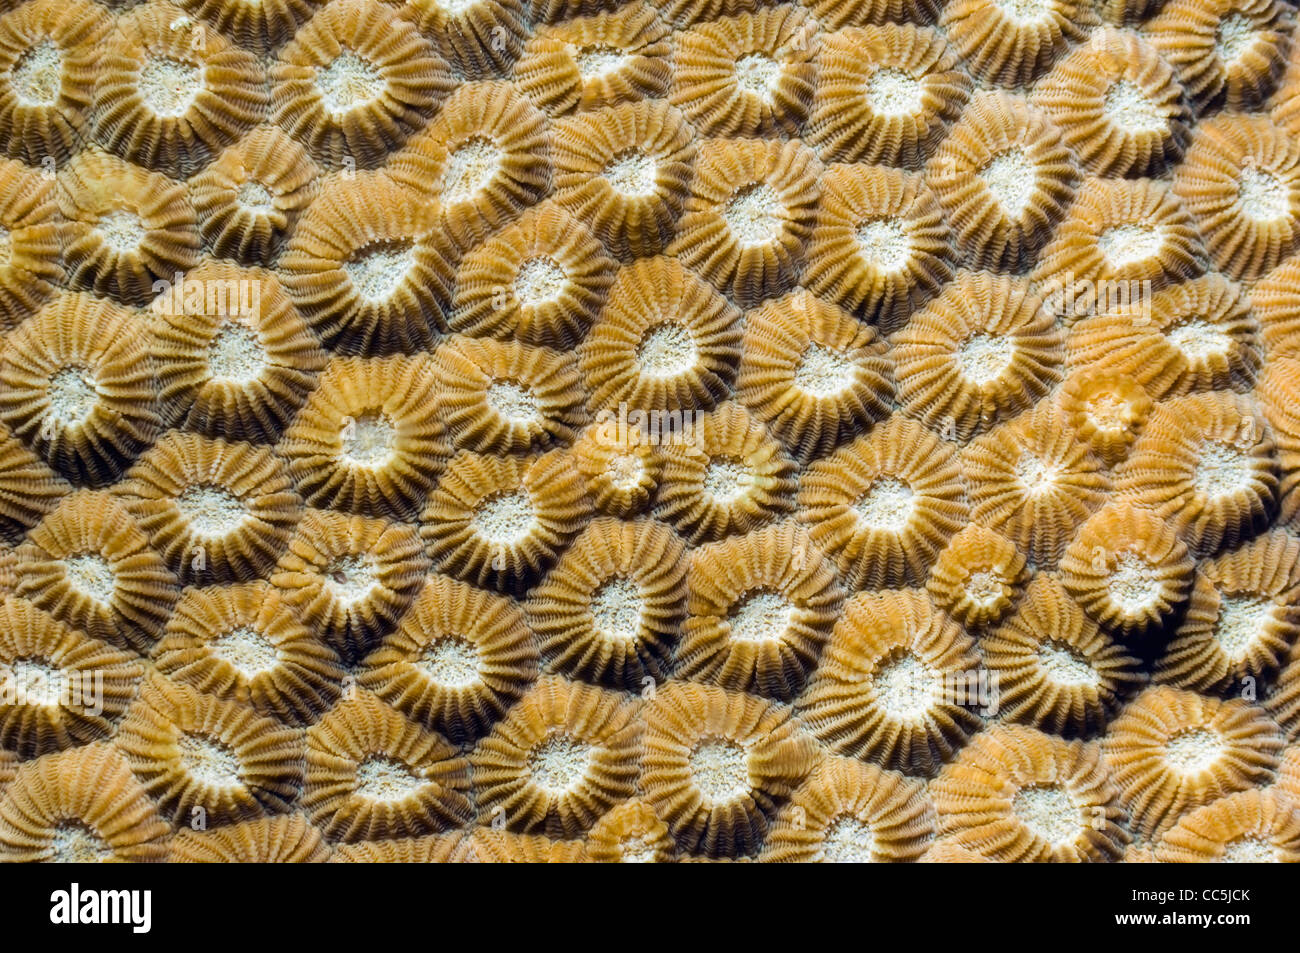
(849, 430)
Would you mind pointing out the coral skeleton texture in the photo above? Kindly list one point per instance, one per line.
(649, 431)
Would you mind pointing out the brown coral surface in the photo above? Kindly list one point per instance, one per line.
(649, 430)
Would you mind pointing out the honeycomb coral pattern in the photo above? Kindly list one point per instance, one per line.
(690, 430)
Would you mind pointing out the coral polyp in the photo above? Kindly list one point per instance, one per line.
(650, 431)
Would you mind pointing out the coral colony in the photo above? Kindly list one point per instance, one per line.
(599, 430)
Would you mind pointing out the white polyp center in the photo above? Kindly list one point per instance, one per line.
(1199, 339)
(757, 74)
(455, 7)
(351, 578)
(210, 510)
(1263, 196)
(1023, 12)
(727, 480)
(72, 396)
(637, 849)
(616, 610)
(235, 354)
(513, 401)
(379, 270)
(1109, 411)
(539, 281)
(38, 683)
(169, 87)
(1193, 750)
(596, 61)
(91, 575)
(208, 761)
(1048, 813)
(625, 471)
(1010, 178)
(122, 231)
(1240, 623)
(891, 91)
(451, 662)
(246, 650)
(884, 244)
(367, 441)
(1248, 850)
(824, 371)
(983, 358)
(1235, 35)
(1130, 243)
(984, 588)
(6, 246)
(74, 843)
(1134, 584)
(470, 169)
(720, 770)
(632, 174)
(348, 81)
(1221, 469)
(755, 214)
(1065, 666)
(559, 763)
(760, 617)
(666, 350)
(906, 687)
(505, 518)
(887, 504)
(255, 197)
(386, 779)
(1127, 106)
(37, 77)
(1035, 474)
(848, 840)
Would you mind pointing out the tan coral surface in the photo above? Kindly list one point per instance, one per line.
(649, 430)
